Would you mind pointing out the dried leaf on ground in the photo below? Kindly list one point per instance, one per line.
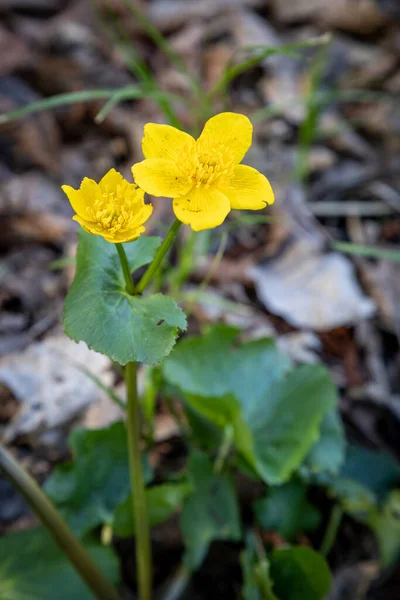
(50, 387)
(311, 289)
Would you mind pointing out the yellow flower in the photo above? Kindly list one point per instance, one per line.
(113, 208)
(203, 176)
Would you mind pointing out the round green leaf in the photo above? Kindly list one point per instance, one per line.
(299, 573)
(101, 313)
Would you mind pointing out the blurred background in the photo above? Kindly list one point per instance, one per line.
(319, 271)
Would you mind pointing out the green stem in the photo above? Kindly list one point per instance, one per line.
(335, 519)
(224, 449)
(161, 252)
(143, 546)
(130, 288)
(139, 507)
(57, 527)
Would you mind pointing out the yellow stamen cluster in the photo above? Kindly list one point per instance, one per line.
(113, 208)
(207, 165)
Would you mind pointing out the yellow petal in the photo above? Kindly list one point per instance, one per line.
(81, 201)
(160, 177)
(138, 218)
(231, 130)
(117, 237)
(111, 180)
(164, 141)
(249, 189)
(202, 208)
(127, 236)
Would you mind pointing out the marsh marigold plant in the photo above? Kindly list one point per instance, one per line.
(112, 208)
(204, 176)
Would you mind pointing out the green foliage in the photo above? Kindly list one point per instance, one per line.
(328, 453)
(88, 489)
(365, 481)
(275, 412)
(99, 312)
(377, 471)
(210, 513)
(285, 509)
(299, 573)
(39, 570)
(257, 582)
(386, 526)
(162, 501)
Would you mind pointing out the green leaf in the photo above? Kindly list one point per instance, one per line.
(288, 422)
(99, 312)
(386, 526)
(377, 471)
(162, 501)
(275, 413)
(38, 569)
(214, 365)
(286, 510)
(299, 573)
(327, 455)
(88, 489)
(354, 498)
(210, 513)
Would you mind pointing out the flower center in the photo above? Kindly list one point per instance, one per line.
(208, 165)
(111, 211)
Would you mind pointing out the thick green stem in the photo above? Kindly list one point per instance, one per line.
(161, 252)
(139, 507)
(130, 288)
(57, 527)
(143, 546)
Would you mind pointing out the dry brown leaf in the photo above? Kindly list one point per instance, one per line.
(50, 387)
(310, 289)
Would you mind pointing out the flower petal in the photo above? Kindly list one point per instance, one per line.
(249, 189)
(117, 237)
(111, 180)
(81, 200)
(231, 130)
(164, 141)
(202, 208)
(140, 216)
(160, 177)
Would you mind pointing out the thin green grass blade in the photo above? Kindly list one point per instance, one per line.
(309, 126)
(64, 100)
(261, 53)
(367, 251)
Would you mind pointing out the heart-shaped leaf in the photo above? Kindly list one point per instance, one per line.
(275, 411)
(100, 312)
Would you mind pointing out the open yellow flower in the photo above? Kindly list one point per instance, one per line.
(113, 208)
(203, 176)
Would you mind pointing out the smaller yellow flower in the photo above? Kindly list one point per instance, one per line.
(113, 208)
(203, 176)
